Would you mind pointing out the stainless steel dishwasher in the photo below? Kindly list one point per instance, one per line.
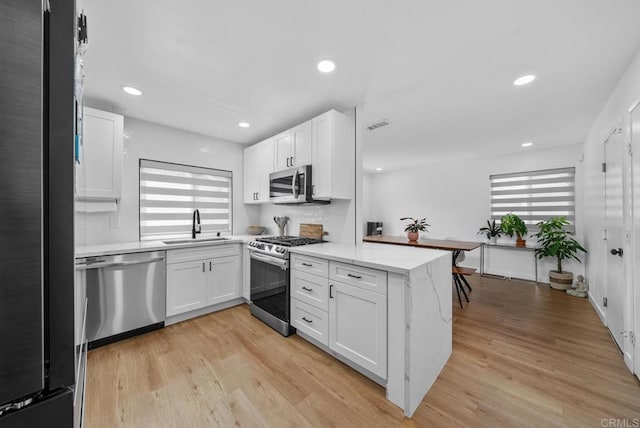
(126, 295)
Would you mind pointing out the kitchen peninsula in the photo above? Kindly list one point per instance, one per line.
(404, 292)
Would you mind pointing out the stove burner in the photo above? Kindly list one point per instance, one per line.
(289, 241)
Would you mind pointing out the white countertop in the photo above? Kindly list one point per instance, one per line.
(137, 247)
(393, 258)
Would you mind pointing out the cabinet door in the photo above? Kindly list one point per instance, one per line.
(283, 150)
(251, 175)
(99, 174)
(301, 143)
(186, 287)
(224, 279)
(358, 326)
(322, 141)
(264, 167)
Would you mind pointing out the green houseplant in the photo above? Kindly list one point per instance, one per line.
(413, 229)
(491, 231)
(511, 225)
(554, 240)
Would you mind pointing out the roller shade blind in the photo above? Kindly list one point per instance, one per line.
(169, 193)
(534, 195)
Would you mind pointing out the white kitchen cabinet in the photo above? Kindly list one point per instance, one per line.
(186, 287)
(358, 326)
(344, 307)
(202, 276)
(224, 280)
(293, 147)
(99, 175)
(258, 164)
(333, 156)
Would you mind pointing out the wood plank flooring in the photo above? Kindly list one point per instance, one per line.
(523, 355)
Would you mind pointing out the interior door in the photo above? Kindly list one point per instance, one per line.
(614, 226)
(634, 121)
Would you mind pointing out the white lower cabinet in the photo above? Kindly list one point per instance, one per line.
(349, 318)
(186, 287)
(358, 326)
(223, 280)
(213, 276)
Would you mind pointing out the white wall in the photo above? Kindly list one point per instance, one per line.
(627, 92)
(455, 199)
(157, 142)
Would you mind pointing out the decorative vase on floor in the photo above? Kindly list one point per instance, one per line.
(560, 281)
(413, 236)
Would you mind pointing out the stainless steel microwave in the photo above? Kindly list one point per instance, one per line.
(291, 186)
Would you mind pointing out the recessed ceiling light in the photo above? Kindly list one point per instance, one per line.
(378, 169)
(244, 124)
(326, 66)
(524, 80)
(132, 91)
(527, 144)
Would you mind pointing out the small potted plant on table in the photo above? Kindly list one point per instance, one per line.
(413, 229)
(555, 241)
(491, 231)
(511, 225)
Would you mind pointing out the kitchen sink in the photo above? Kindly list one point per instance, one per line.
(190, 241)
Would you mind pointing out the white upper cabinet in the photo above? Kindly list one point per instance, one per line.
(293, 147)
(100, 169)
(333, 156)
(258, 164)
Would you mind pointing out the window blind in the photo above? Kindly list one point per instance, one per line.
(169, 193)
(534, 195)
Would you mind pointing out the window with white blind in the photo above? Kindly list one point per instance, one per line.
(534, 195)
(169, 193)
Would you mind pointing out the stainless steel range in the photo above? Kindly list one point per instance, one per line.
(270, 279)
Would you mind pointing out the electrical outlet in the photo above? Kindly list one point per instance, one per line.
(114, 222)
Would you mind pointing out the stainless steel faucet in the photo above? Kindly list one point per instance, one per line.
(196, 215)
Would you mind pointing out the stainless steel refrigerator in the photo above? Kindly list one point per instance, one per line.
(36, 213)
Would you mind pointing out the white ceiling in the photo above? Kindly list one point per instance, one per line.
(440, 71)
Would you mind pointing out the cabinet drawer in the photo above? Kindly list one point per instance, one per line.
(358, 276)
(310, 320)
(311, 289)
(201, 253)
(310, 265)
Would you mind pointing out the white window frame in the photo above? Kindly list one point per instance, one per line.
(154, 209)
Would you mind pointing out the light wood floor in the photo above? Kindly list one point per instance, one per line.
(523, 355)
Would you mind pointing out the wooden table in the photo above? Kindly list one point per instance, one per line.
(438, 244)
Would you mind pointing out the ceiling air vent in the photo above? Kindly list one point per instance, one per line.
(378, 124)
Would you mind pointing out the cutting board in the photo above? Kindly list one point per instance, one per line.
(311, 231)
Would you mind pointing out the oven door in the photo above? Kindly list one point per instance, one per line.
(270, 284)
(290, 186)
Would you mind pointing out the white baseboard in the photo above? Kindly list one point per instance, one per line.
(203, 311)
(598, 309)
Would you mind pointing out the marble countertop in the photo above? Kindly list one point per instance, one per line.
(137, 247)
(392, 258)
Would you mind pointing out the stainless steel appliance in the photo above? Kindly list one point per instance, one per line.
(374, 228)
(269, 280)
(126, 295)
(36, 213)
(292, 186)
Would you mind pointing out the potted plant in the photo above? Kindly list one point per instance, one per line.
(491, 231)
(554, 240)
(412, 229)
(511, 225)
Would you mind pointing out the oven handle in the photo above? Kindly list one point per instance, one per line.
(282, 263)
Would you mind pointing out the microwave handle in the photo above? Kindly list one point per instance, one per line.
(294, 185)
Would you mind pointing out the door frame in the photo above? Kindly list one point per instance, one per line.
(634, 244)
